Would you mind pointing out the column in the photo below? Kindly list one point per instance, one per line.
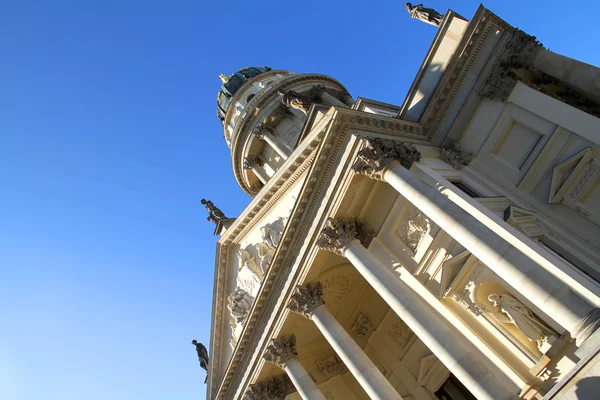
(282, 352)
(483, 373)
(512, 260)
(265, 133)
(253, 163)
(308, 301)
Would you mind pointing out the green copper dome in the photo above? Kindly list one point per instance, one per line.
(232, 84)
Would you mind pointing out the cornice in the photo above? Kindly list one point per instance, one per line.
(328, 140)
(477, 32)
(242, 132)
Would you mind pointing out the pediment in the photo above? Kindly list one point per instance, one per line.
(566, 175)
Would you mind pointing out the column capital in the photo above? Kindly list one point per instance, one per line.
(281, 351)
(261, 130)
(338, 233)
(306, 299)
(275, 388)
(380, 153)
(252, 162)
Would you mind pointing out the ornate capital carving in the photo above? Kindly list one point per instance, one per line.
(276, 388)
(519, 53)
(379, 153)
(338, 233)
(261, 130)
(252, 161)
(306, 299)
(280, 351)
(454, 155)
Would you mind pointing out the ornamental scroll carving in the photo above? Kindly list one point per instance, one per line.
(338, 233)
(281, 351)
(331, 366)
(377, 155)
(276, 388)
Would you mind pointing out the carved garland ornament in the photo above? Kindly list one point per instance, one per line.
(331, 366)
(379, 153)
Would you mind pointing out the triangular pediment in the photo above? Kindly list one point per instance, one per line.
(565, 174)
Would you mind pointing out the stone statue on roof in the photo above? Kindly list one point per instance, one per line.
(295, 100)
(214, 214)
(427, 15)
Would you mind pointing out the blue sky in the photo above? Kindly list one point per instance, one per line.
(108, 141)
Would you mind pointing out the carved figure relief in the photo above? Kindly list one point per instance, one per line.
(248, 260)
(239, 303)
(331, 366)
(511, 310)
(401, 333)
(416, 228)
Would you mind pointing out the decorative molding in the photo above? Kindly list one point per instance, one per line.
(338, 233)
(478, 31)
(378, 154)
(306, 299)
(331, 366)
(276, 388)
(281, 351)
(362, 327)
(454, 155)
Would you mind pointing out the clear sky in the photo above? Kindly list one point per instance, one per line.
(109, 139)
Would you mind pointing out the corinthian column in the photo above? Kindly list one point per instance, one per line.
(308, 301)
(520, 266)
(253, 163)
(265, 133)
(282, 352)
(423, 314)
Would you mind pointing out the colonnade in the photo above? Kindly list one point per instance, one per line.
(477, 366)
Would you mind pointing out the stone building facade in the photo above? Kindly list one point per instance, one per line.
(445, 248)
